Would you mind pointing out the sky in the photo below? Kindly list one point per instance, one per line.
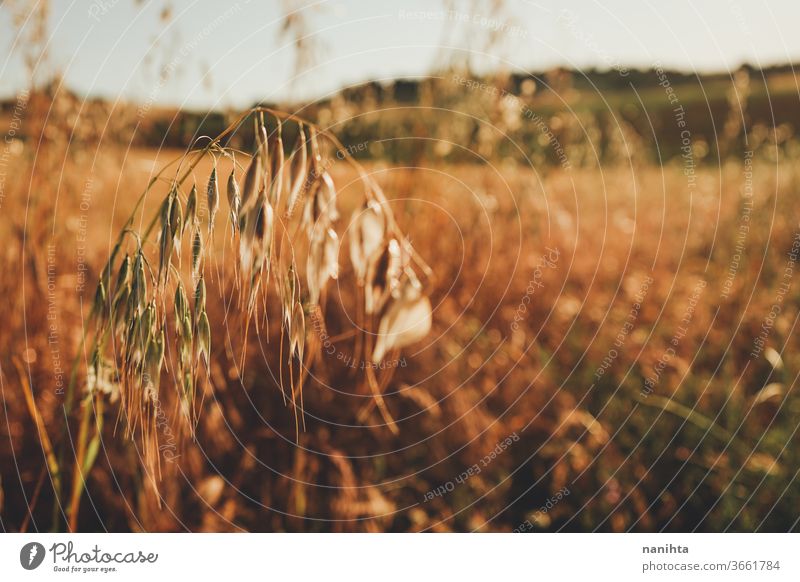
(231, 54)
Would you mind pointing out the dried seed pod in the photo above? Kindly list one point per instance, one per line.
(298, 331)
(191, 207)
(184, 340)
(166, 205)
(130, 342)
(138, 295)
(200, 297)
(166, 237)
(181, 307)
(197, 252)
(153, 360)
(321, 205)
(287, 288)
(316, 156)
(147, 324)
(322, 261)
(298, 170)
(176, 218)
(253, 178)
(186, 331)
(123, 277)
(313, 174)
(234, 199)
(122, 292)
(383, 275)
(212, 194)
(264, 225)
(256, 238)
(140, 333)
(407, 320)
(203, 346)
(101, 377)
(276, 185)
(98, 306)
(263, 149)
(367, 232)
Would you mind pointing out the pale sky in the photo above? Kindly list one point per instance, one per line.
(231, 54)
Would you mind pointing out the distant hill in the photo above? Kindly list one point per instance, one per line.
(569, 108)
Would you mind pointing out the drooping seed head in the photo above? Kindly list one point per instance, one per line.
(181, 307)
(298, 330)
(203, 346)
(212, 194)
(139, 284)
(367, 232)
(176, 217)
(407, 319)
(263, 150)
(200, 297)
(197, 252)
(262, 235)
(124, 274)
(253, 178)
(153, 360)
(276, 186)
(298, 171)
(99, 304)
(322, 263)
(234, 198)
(122, 289)
(382, 276)
(191, 207)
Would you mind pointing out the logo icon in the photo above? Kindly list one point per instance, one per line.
(31, 555)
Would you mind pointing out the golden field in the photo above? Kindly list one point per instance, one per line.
(594, 361)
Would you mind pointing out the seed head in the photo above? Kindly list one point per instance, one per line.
(212, 193)
(191, 207)
(234, 199)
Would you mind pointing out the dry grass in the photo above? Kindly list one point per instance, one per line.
(713, 447)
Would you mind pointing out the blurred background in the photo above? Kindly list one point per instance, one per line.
(606, 193)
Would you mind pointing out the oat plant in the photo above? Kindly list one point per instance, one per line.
(149, 329)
